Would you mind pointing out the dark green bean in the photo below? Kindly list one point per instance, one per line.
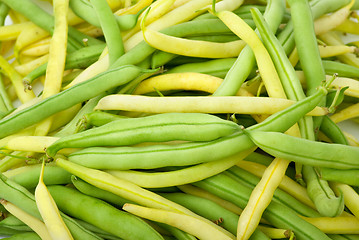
(68, 98)
(101, 214)
(97, 231)
(8, 231)
(277, 214)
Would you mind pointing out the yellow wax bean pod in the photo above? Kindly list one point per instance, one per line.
(351, 139)
(192, 48)
(275, 233)
(134, 8)
(16, 80)
(332, 51)
(342, 82)
(49, 211)
(34, 144)
(325, 51)
(97, 67)
(56, 62)
(203, 104)
(349, 112)
(158, 9)
(16, 17)
(336, 225)
(265, 65)
(26, 68)
(182, 176)
(331, 38)
(11, 32)
(259, 199)
(37, 49)
(30, 35)
(199, 227)
(121, 187)
(179, 3)
(191, 81)
(351, 197)
(183, 13)
(329, 22)
(349, 26)
(31, 221)
(287, 184)
(196, 191)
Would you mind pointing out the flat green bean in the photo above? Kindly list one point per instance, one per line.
(24, 236)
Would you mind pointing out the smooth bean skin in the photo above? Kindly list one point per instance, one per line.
(68, 98)
(21, 197)
(155, 128)
(81, 58)
(305, 151)
(24, 236)
(212, 211)
(52, 175)
(279, 215)
(101, 214)
(279, 195)
(348, 176)
(96, 192)
(332, 130)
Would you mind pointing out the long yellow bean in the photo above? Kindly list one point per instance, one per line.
(196, 226)
(31, 221)
(49, 211)
(56, 62)
(203, 104)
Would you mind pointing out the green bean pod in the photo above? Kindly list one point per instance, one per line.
(24, 236)
(21, 197)
(99, 193)
(30, 178)
(96, 119)
(277, 214)
(327, 204)
(342, 69)
(155, 156)
(279, 196)
(347, 176)
(212, 211)
(80, 58)
(101, 214)
(332, 130)
(304, 151)
(68, 98)
(13, 222)
(155, 128)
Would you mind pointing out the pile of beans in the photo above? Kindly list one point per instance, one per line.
(179, 119)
